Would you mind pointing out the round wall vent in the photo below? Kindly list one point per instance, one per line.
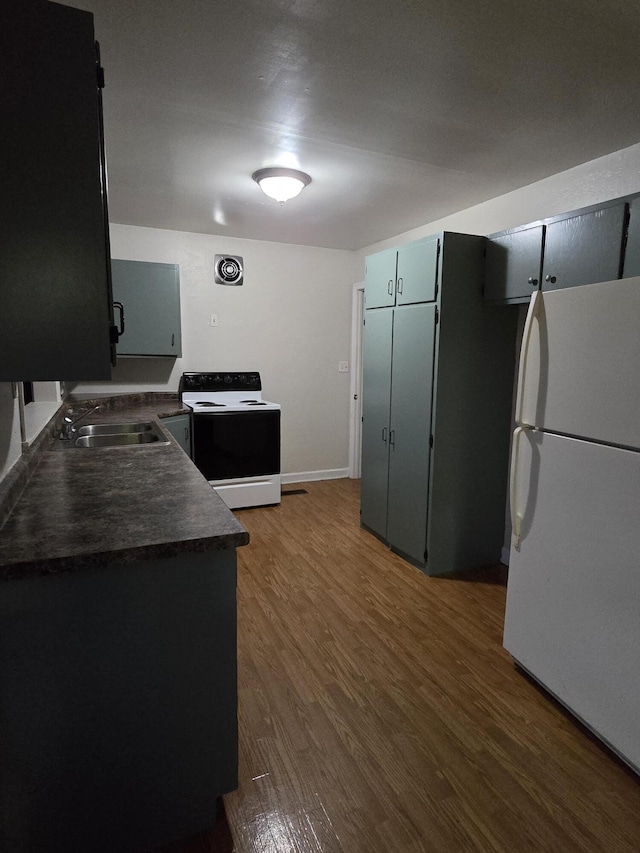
(228, 269)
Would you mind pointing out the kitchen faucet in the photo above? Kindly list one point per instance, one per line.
(70, 423)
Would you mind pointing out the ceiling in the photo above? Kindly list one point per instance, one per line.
(402, 111)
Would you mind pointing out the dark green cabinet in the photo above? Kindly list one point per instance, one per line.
(632, 253)
(150, 296)
(584, 249)
(402, 276)
(514, 264)
(437, 383)
(180, 428)
(54, 265)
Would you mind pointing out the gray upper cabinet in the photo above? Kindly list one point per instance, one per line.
(584, 249)
(514, 264)
(632, 253)
(54, 265)
(402, 276)
(150, 296)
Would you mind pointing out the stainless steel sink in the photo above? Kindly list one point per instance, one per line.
(112, 429)
(118, 435)
(118, 439)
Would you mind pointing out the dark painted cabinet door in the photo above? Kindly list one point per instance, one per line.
(632, 253)
(584, 249)
(150, 295)
(414, 329)
(417, 272)
(380, 279)
(54, 276)
(376, 398)
(513, 265)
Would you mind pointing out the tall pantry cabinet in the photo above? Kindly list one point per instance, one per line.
(437, 392)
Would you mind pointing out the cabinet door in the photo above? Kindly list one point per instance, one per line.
(150, 294)
(513, 263)
(632, 252)
(180, 428)
(417, 272)
(376, 393)
(55, 316)
(584, 249)
(380, 279)
(410, 428)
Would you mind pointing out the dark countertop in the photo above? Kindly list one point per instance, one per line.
(84, 508)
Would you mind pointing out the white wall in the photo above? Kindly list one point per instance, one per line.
(290, 320)
(599, 180)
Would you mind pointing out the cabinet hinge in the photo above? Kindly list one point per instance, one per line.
(426, 555)
(100, 76)
(437, 316)
(430, 441)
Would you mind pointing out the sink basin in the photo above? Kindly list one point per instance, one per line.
(112, 429)
(121, 439)
(117, 435)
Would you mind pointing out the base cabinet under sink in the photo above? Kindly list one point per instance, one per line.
(118, 704)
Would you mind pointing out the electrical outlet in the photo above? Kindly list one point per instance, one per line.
(214, 319)
(343, 367)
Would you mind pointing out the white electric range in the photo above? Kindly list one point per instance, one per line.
(236, 436)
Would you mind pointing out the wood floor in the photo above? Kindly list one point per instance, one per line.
(379, 712)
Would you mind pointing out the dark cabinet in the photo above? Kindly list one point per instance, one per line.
(149, 294)
(54, 264)
(632, 253)
(514, 264)
(584, 249)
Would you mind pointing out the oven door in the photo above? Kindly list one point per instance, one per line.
(229, 445)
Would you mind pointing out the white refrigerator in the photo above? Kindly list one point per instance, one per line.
(573, 595)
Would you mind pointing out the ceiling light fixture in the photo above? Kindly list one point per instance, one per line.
(281, 184)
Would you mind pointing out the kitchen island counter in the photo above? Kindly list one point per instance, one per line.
(91, 507)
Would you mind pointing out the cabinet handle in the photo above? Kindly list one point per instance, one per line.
(550, 278)
(392, 438)
(120, 308)
(186, 433)
(384, 434)
(173, 339)
(390, 287)
(400, 285)
(533, 281)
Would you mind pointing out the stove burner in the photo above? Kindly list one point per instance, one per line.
(207, 404)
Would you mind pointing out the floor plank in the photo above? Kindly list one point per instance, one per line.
(379, 711)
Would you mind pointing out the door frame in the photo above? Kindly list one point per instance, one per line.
(355, 403)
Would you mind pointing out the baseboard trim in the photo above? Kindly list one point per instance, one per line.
(309, 476)
(504, 556)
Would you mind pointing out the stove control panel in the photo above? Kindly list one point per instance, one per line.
(220, 382)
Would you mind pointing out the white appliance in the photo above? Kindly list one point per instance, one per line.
(236, 436)
(573, 596)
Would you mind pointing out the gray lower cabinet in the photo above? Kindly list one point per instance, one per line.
(150, 297)
(584, 249)
(118, 704)
(402, 276)
(180, 428)
(437, 388)
(514, 264)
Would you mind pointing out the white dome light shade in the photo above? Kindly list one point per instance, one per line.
(281, 184)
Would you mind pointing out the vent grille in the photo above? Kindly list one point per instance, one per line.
(228, 269)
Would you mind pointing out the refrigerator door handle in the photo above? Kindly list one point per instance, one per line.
(532, 315)
(516, 516)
